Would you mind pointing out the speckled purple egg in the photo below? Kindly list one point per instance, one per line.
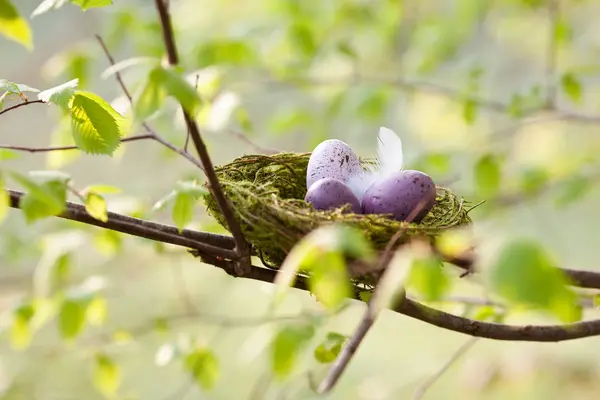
(332, 159)
(399, 194)
(331, 193)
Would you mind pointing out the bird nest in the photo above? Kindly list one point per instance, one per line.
(267, 196)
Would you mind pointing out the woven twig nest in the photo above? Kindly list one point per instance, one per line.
(267, 195)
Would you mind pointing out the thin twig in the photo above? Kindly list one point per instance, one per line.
(25, 103)
(242, 263)
(368, 319)
(64, 148)
(421, 390)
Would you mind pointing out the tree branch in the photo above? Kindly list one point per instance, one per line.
(63, 148)
(25, 103)
(242, 263)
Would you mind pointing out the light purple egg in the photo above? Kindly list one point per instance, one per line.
(330, 193)
(332, 159)
(399, 194)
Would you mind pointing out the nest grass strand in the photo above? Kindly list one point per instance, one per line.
(267, 196)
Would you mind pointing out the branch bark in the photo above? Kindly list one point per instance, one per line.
(242, 262)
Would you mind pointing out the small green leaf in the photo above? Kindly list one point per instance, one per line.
(226, 52)
(242, 117)
(105, 189)
(183, 209)
(596, 301)
(563, 32)
(42, 200)
(470, 109)
(97, 127)
(427, 276)
(4, 200)
(97, 310)
(573, 190)
(323, 254)
(108, 242)
(107, 375)
(177, 87)
(286, 346)
(13, 26)
(7, 155)
(525, 275)
(192, 188)
(533, 180)
(327, 351)
(572, 87)
(151, 98)
(302, 38)
(71, 317)
(365, 296)
(203, 365)
(87, 4)
(60, 95)
(96, 206)
(48, 5)
(488, 175)
(346, 49)
(21, 331)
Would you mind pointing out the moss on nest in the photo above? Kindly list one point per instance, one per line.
(267, 194)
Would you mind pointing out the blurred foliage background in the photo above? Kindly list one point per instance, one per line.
(495, 99)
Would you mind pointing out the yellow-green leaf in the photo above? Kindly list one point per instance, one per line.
(46, 6)
(428, 278)
(97, 127)
(177, 87)
(71, 318)
(183, 209)
(286, 346)
(203, 365)
(525, 275)
(151, 98)
(60, 95)
(13, 26)
(97, 310)
(329, 349)
(107, 375)
(4, 200)
(572, 87)
(96, 206)
(86, 4)
(487, 175)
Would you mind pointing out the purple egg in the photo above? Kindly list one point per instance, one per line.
(330, 193)
(399, 194)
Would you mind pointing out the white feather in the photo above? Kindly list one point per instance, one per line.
(389, 159)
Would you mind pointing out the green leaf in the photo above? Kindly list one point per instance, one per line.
(60, 95)
(151, 98)
(107, 375)
(7, 155)
(177, 87)
(15, 88)
(13, 26)
(21, 331)
(286, 346)
(226, 52)
(242, 117)
(596, 301)
(470, 109)
(346, 49)
(525, 275)
(488, 313)
(72, 317)
(488, 175)
(105, 189)
(323, 254)
(97, 310)
(574, 189)
(533, 180)
(192, 188)
(96, 206)
(4, 200)
(183, 210)
(87, 4)
(563, 32)
(302, 38)
(97, 127)
(48, 5)
(427, 276)
(203, 365)
(572, 87)
(42, 200)
(328, 350)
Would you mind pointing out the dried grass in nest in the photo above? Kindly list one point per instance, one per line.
(267, 195)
